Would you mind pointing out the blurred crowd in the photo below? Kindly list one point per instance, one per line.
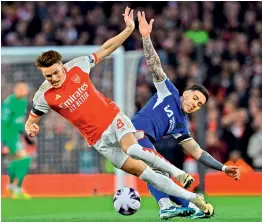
(216, 43)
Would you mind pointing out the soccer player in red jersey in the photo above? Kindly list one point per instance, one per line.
(69, 91)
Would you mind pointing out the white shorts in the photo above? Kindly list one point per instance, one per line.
(109, 144)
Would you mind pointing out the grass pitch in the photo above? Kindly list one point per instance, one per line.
(237, 209)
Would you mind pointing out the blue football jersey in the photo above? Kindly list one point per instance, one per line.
(163, 115)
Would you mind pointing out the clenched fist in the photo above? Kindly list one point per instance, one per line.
(233, 171)
(32, 130)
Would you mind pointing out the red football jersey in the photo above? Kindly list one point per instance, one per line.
(77, 100)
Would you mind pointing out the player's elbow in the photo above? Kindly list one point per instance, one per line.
(196, 154)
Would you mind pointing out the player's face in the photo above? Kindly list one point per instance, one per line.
(54, 74)
(192, 101)
(21, 90)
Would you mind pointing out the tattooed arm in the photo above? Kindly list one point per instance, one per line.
(152, 59)
(192, 147)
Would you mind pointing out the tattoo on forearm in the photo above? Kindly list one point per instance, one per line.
(196, 146)
(153, 60)
(209, 161)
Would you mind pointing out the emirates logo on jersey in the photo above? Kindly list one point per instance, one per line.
(76, 78)
(76, 99)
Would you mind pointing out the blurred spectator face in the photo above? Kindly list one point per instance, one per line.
(258, 120)
(192, 101)
(40, 39)
(196, 25)
(219, 46)
(234, 65)
(232, 8)
(255, 47)
(241, 42)
(213, 117)
(229, 107)
(208, 6)
(207, 23)
(12, 39)
(54, 74)
(232, 47)
(21, 90)
(21, 28)
(212, 138)
(257, 67)
(242, 116)
(142, 95)
(182, 70)
(240, 84)
(233, 98)
(250, 17)
(253, 105)
(47, 26)
(235, 155)
(212, 104)
(255, 92)
(258, 27)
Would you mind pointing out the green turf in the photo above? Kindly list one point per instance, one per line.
(237, 209)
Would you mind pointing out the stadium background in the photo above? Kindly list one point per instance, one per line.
(219, 44)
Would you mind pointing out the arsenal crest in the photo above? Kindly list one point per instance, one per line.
(76, 78)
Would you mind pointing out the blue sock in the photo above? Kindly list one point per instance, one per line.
(179, 201)
(145, 142)
(159, 195)
(156, 193)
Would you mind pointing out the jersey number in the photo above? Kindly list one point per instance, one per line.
(168, 111)
(119, 124)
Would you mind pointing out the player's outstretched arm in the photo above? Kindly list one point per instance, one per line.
(152, 58)
(192, 147)
(112, 44)
(31, 127)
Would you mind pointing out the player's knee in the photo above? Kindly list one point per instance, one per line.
(161, 172)
(134, 151)
(134, 167)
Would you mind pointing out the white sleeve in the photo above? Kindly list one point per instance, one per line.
(162, 91)
(40, 106)
(83, 62)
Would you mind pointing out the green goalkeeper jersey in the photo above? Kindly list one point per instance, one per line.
(13, 116)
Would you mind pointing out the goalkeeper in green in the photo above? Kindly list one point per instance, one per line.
(14, 109)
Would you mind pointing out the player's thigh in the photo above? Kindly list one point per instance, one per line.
(124, 131)
(134, 167)
(109, 147)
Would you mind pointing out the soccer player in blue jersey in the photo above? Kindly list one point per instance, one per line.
(166, 114)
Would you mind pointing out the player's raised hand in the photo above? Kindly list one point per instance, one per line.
(33, 130)
(129, 18)
(233, 171)
(144, 28)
